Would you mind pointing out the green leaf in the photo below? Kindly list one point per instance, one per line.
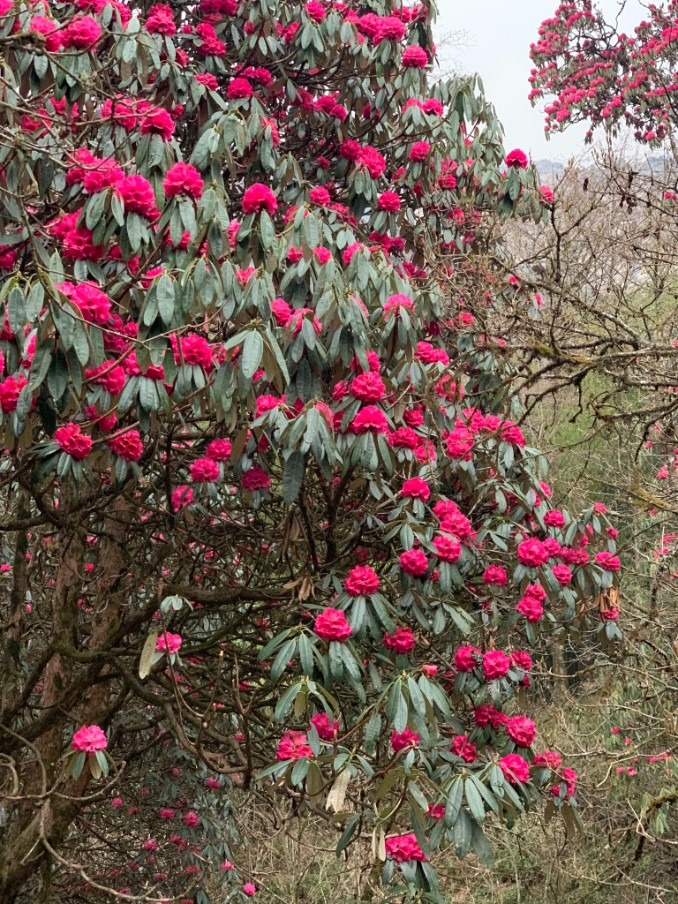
(372, 733)
(474, 800)
(463, 834)
(293, 476)
(454, 799)
(17, 310)
(396, 709)
(39, 366)
(81, 342)
(482, 847)
(77, 764)
(285, 653)
(300, 770)
(252, 352)
(306, 654)
(286, 701)
(348, 833)
(165, 295)
(273, 644)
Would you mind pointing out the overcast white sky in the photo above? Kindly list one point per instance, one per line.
(498, 36)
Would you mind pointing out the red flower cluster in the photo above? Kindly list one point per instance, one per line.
(332, 624)
(259, 197)
(404, 848)
(293, 746)
(401, 641)
(402, 740)
(362, 581)
(183, 179)
(72, 440)
(127, 445)
(414, 562)
(89, 739)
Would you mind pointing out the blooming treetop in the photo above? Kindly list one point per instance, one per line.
(596, 74)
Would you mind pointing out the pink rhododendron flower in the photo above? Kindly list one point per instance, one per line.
(459, 443)
(462, 747)
(127, 445)
(465, 658)
(331, 624)
(293, 746)
(281, 311)
(521, 659)
(320, 196)
(138, 196)
(368, 387)
(389, 201)
(495, 664)
(10, 390)
(372, 160)
(219, 449)
(414, 57)
(404, 848)
(72, 440)
(259, 197)
(205, 470)
(181, 497)
(369, 418)
(183, 179)
(495, 574)
(315, 10)
(89, 739)
(168, 643)
(517, 159)
(192, 349)
(531, 552)
(487, 714)
(515, 768)
(327, 728)
(521, 730)
(402, 640)
(548, 759)
(554, 518)
(607, 560)
(160, 20)
(362, 581)
(238, 89)
(416, 488)
(255, 479)
(414, 562)
(419, 151)
(531, 608)
(401, 740)
(562, 574)
(448, 549)
(94, 305)
(81, 33)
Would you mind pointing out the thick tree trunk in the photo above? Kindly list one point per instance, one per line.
(43, 821)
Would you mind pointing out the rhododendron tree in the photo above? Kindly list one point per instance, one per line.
(257, 457)
(591, 72)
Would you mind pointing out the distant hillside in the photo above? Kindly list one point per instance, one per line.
(550, 170)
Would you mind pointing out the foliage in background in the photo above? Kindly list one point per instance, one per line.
(269, 530)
